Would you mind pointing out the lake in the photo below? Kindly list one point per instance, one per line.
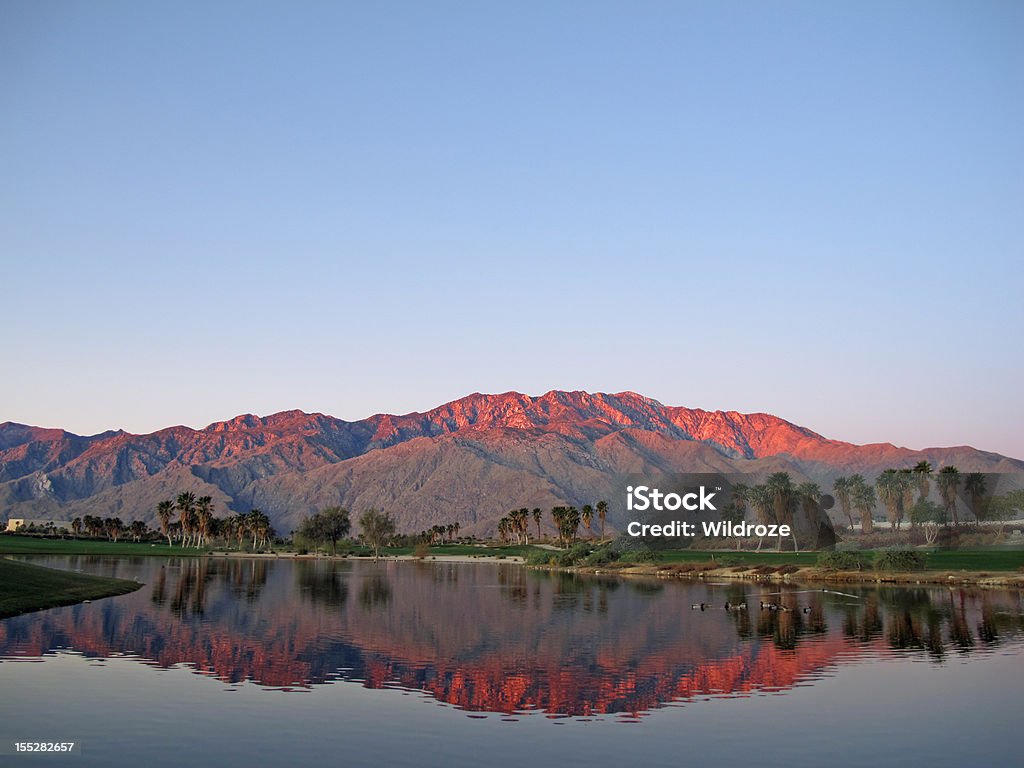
(277, 662)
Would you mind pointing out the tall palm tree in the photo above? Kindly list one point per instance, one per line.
(890, 492)
(923, 473)
(907, 483)
(204, 514)
(761, 499)
(842, 488)
(948, 481)
(976, 486)
(76, 526)
(780, 485)
(862, 496)
(587, 515)
(602, 514)
(164, 510)
(740, 497)
(537, 515)
(185, 504)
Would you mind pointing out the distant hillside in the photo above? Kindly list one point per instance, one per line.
(468, 460)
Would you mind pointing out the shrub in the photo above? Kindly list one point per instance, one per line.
(540, 557)
(843, 561)
(601, 556)
(642, 556)
(900, 560)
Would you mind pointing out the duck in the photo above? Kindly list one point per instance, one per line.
(768, 606)
(807, 609)
(735, 607)
(697, 606)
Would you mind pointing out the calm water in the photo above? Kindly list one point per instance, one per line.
(280, 662)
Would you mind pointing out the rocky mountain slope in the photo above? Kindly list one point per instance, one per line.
(468, 460)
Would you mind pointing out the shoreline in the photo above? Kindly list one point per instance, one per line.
(803, 575)
(27, 588)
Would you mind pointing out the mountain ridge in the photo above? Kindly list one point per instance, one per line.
(468, 459)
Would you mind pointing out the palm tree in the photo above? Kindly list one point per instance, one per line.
(602, 513)
(975, 486)
(537, 515)
(948, 481)
(761, 499)
(863, 498)
(204, 513)
(780, 486)
(186, 503)
(892, 485)
(76, 526)
(809, 495)
(842, 488)
(907, 483)
(740, 497)
(923, 471)
(240, 527)
(587, 515)
(137, 529)
(164, 510)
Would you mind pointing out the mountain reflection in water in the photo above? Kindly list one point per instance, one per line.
(500, 638)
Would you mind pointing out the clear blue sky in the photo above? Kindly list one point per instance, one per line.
(811, 209)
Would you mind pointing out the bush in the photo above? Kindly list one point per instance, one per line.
(540, 557)
(843, 561)
(642, 556)
(900, 560)
(601, 556)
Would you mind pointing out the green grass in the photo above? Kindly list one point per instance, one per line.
(25, 587)
(28, 545)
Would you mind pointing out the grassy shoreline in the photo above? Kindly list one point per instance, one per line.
(25, 587)
(992, 567)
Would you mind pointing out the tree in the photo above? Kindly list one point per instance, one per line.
(842, 488)
(780, 486)
(809, 496)
(1004, 507)
(377, 527)
(537, 515)
(948, 481)
(761, 499)
(137, 530)
(164, 510)
(602, 514)
(76, 526)
(258, 526)
(923, 473)
(586, 515)
(928, 516)
(204, 514)
(335, 526)
(975, 486)
(893, 486)
(186, 503)
(862, 496)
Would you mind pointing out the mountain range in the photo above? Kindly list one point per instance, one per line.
(470, 460)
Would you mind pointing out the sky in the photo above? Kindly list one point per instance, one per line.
(808, 209)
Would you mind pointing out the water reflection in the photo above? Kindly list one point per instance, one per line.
(498, 638)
